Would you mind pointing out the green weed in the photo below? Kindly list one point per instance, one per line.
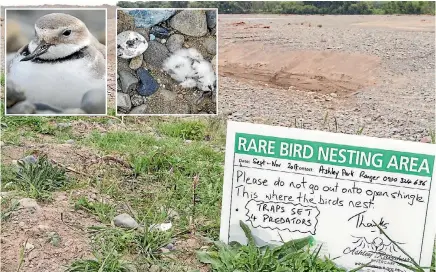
(40, 178)
(109, 262)
(184, 129)
(8, 206)
(105, 212)
(293, 255)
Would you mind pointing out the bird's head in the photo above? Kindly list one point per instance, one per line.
(57, 35)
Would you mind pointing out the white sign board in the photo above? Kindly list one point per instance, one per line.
(291, 183)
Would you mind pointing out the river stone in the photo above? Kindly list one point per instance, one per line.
(190, 22)
(139, 109)
(23, 107)
(136, 62)
(160, 32)
(128, 81)
(148, 18)
(156, 54)
(123, 102)
(210, 45)
(125, 221)
(137, 99)
(148, 84)
(211, 18)
(124, 21)
(175, 42)
(130, 44)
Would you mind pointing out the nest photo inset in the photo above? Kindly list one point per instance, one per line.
(166, 61)
(56, 61)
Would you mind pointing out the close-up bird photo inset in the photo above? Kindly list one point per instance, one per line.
(56, 61)
(166, 61)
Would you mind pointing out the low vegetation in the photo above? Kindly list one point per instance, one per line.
(296, 7)
(161, 170)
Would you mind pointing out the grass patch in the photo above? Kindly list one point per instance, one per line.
(38, 179)
(293, 255)
(109, 262)
(142, 242)
(105, 212)
(2, 79)
(184, 129)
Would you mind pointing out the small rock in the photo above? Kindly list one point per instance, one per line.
(426, 139)
(124, 21)
(29, 159)
(170, 246)
(29, 203)
(156, 54)
(160, 32)
(161, 227)
(210, 45)
(125, 221)
(148, 84)
(145, 32)
(29, 247)
(23, 107)
(147, 18)
(21, 225)
(136, 62)
(163, 41)
(175, 42)
(334, 95)
(128, 81)
(190, 22)
(139, 109)
(137, 99)
(70, 141)
(130, 44)
(94, 101)
(123, 102)
(211, 18)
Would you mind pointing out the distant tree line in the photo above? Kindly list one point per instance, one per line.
(292, 7)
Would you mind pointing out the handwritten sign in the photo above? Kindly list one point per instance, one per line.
(290, 183)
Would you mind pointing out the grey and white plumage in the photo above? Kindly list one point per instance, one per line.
(190, 69)
(61, 63)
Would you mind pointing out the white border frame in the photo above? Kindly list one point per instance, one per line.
(106, 72)
(216, 66)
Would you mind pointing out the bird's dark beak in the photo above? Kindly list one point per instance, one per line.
(39, 50)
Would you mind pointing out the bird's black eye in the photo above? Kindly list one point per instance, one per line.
(66, 32)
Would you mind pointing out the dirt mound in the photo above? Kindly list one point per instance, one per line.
(322, 71)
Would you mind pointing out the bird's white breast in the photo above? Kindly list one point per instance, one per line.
(59, 84)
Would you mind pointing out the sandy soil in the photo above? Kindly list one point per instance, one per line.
(375, 72)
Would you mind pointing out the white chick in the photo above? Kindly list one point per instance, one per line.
(190, 69)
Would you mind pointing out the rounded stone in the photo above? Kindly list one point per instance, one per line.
(175, 42)
(136, 62)
(190, 22)
(130, 44)
(210, 45)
